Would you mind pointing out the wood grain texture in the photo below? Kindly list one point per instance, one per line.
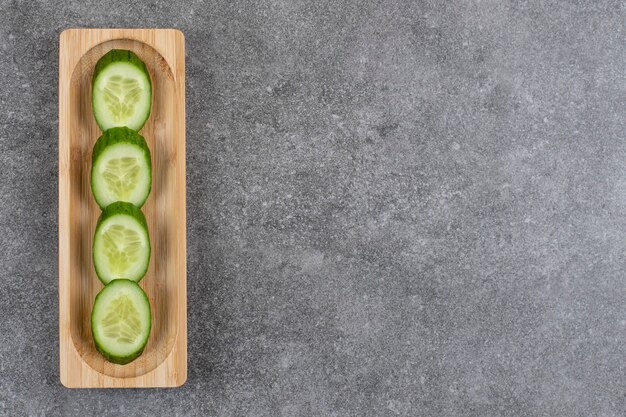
(164, 361)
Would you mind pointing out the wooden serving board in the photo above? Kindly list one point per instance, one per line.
(164, 360)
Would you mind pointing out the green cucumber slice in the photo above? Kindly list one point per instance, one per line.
(121, 91)
(121, 245)
(121, 168)
(121, 321)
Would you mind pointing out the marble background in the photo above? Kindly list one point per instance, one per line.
(395, 208)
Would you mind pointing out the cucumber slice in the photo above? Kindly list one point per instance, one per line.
(121, 168)
(121, 245)
(121, 91)
(121, 321)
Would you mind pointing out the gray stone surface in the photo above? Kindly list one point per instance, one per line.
(395, 208)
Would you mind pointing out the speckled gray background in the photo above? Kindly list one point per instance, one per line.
(395, 208)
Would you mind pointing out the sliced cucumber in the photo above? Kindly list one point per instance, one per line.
(122, 91)
(121, 168)
(121, 321)
(121, 245)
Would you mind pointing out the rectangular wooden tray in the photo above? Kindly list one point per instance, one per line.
(164, 360)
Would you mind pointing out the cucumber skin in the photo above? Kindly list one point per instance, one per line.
(114, 136)
(120, 360)
(117, 55)
(121, 207)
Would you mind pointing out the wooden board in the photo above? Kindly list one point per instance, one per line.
(164, 360)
